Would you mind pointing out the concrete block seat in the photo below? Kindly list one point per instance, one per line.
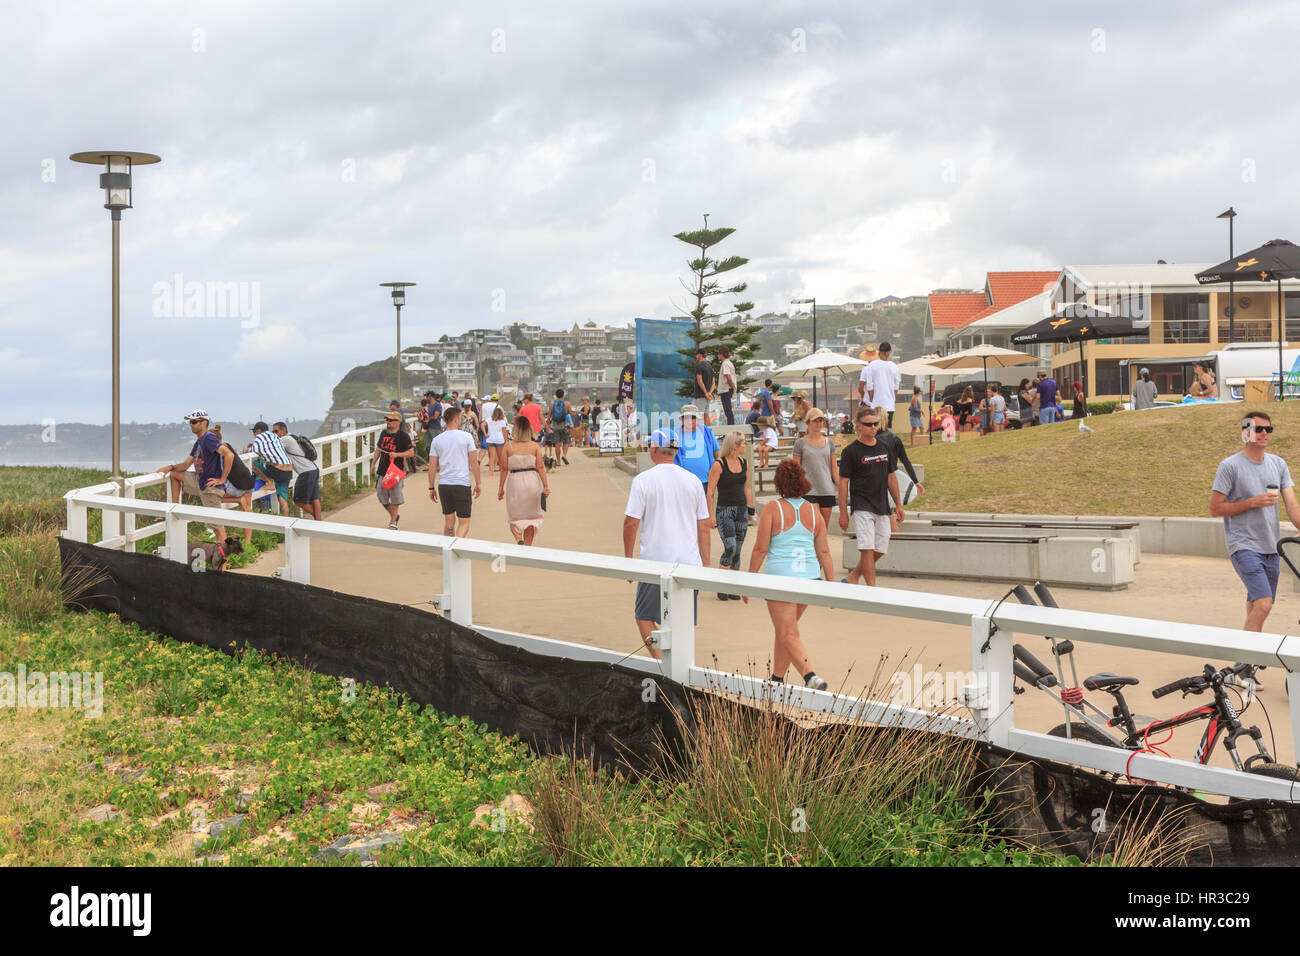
(1090, 562)
(1062, 527)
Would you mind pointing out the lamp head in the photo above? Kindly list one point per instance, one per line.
(115, 180)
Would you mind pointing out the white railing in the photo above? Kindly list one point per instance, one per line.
(348, 450)
(989, 697)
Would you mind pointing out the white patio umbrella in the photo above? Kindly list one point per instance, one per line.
(982, 356)
(923, 366)
(824, 361)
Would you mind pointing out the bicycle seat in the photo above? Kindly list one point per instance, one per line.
(1110, 683)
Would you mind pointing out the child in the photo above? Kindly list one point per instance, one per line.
(769, 441)
(949, 422)
(914, 414)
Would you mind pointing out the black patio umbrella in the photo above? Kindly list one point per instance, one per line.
(1274, 261)
(1080, 323)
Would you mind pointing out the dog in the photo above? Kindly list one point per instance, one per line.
(214, 553)
(549, 462)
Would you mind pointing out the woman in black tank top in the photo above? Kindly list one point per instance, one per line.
(730, 514)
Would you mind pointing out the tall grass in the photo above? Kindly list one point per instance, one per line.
(755, 786)
(33, 587)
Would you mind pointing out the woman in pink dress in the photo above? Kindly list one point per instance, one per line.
(523, 482)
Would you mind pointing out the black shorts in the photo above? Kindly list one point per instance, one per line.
(455, 499)
(307, 487)
(821, 501)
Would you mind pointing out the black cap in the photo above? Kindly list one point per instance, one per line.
(885, 347)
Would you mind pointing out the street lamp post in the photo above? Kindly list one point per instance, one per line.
(1230, 214)
(813, 301)
(399, 300)
(115, 180)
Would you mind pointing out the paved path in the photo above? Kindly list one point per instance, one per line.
(851, 651)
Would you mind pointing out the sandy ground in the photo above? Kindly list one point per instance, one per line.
(585, 514)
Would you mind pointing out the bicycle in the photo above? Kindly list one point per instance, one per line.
(1223, 720)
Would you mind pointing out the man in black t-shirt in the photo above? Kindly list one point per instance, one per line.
(899, 451)
(394, 446)
(868, 482)
(704, 379)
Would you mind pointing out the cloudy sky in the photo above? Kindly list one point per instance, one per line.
(524, 161)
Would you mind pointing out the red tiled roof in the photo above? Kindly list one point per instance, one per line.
(950, 310)
(1008, 288)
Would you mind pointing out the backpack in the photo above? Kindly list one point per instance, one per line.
(239, 475)
(308, 449)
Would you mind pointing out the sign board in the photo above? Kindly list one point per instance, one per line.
(611, 436)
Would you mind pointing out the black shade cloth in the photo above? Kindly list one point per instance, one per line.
(558, 706)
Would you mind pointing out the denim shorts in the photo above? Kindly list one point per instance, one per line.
(1258, 572)
(648, 604)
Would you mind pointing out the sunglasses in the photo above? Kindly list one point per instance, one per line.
(1266, 429)
(869, 424)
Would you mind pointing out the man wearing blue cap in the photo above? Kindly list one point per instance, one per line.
(666, 504)
(697, 446)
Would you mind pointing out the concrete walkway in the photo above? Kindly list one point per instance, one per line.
(852, 651)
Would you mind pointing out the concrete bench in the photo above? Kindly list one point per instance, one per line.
(1091, 562)
(1065, 528)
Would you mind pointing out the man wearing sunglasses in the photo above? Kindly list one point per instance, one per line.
(1245, 495)
(867, 480)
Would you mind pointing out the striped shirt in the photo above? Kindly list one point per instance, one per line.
(267, 445)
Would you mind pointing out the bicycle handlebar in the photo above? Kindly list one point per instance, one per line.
(1039, 669)
(1185, 683)
(1025, 674)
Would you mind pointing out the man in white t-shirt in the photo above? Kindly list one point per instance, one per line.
(727, 382)
(489, 406)
(878, 384)
(667, 505)
(453, 455)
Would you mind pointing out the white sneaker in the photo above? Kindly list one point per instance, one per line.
(815, 683)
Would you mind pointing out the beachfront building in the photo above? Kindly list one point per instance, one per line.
(588, 335)
(1015, 300)
(1187, 320)
(462, 375)
(563, 340)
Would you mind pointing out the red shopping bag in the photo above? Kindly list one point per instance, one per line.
(392, 476)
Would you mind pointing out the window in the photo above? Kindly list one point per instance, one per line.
(1187, 318)
(1292, 304)
(1110, 380)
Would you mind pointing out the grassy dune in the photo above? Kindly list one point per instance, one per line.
(1158, 462)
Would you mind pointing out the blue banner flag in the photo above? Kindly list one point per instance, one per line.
(659, 371)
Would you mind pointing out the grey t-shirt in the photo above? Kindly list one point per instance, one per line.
(817, 465)
(1144, 394)
(301, 463)
(1239, 478)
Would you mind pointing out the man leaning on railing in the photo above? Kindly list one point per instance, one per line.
(212, 462)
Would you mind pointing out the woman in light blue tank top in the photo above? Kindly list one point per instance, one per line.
(792, 543)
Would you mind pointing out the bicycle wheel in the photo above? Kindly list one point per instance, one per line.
(1279, 770)
(1085, 732)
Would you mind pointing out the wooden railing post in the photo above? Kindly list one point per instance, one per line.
(77, 521)
(175, 537)
(297, 556)
(457, 599)
(989, 698)
(676, 637)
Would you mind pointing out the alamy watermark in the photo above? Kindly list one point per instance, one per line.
(78, 690)
(177, 299)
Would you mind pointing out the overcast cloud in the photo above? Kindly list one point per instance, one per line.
(314, 150)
